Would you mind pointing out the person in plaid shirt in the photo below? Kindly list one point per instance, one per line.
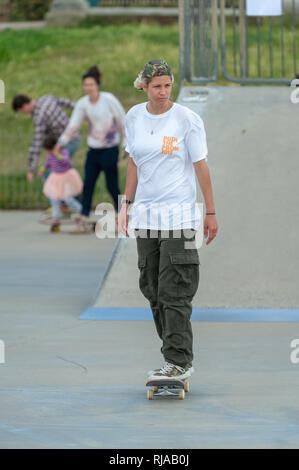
(48, 118)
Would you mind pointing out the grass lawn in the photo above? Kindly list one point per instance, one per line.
(36, 62)
(40, 61)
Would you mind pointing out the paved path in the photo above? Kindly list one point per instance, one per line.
(22, 25)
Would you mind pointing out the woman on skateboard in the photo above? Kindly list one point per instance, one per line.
(106, 120)
(167, 146)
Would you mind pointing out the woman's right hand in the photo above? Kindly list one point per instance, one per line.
(122, 221)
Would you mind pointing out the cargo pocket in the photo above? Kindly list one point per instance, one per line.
(146, 284)
(185, 267)
(141, 261)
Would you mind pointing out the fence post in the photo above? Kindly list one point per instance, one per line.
(242, 39)
(185, 30)
(182, 43)
(2, 91)
(2, 352)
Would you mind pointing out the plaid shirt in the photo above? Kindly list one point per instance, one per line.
(48, 118)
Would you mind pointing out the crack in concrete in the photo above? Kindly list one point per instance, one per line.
(73, 362)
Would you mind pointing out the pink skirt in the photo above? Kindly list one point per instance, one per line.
(61, 186)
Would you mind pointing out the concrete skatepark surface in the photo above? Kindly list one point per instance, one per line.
(74, 383)
(253, 147)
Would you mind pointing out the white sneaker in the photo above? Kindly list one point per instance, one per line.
(82, 225)
(154, 371)
(171, 371)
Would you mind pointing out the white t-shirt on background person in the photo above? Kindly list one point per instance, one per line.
(106, 121)
(164, 148)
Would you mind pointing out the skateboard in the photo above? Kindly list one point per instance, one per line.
(66, 219)
(167, 387)
(62, 221)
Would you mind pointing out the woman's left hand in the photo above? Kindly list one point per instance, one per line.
(210, 228)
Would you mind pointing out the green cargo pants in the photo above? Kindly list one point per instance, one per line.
(169, 278)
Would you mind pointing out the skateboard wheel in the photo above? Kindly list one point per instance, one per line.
(182, 394)
(55, 229)
(187, 387)
(150, 394)
(155, 389)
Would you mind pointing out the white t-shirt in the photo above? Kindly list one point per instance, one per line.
(164, 147)
(106, 121)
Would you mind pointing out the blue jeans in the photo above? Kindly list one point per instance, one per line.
(71, 202)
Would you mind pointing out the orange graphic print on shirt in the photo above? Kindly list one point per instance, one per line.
(168, 145)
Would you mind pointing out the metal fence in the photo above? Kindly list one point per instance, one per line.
(198, 40)
(16, 192)
(267, 47)
(252, 49)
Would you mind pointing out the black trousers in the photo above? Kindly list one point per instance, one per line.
(98, 160)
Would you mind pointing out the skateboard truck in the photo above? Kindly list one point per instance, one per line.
(167, 387)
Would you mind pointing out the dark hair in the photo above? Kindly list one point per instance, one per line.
(93, 72)
(19, 101)
(50, 141)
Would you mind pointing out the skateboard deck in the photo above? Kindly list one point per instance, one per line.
(167, 387)
(92, 226)
(65, 220)
(62, 221)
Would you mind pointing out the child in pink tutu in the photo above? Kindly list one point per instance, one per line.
(63, 183)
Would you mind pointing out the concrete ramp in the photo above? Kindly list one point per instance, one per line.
(249, 272)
